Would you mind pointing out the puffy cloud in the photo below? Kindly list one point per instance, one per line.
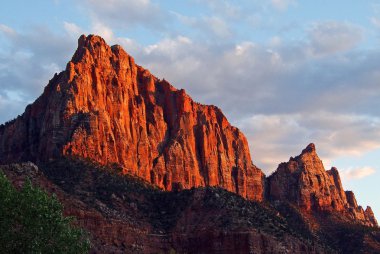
(7, 30)
(218, 26)
(225, 8)
(376, 12)
(282, 4)
(207, 27)
(127, 13)
(27, 62)
(356, 173)
(280, 78)
(274, 138)
(331, 37)
(10, 108)
(72, 29)
(375, 21)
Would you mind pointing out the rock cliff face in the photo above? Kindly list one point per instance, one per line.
(305, 182)
(106, 108)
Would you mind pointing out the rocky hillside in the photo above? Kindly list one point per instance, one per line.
(124, 214)
(107, 108)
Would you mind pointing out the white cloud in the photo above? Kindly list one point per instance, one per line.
(207, 27)
(7, 30)
(27, 64)
(72, 29)
(218, 26)
(104, 31)
(243, 48)
(168, 47)
(282, 4)
(375, 21)
(10, 108)
(274, 138)
(330, 37)
(127, 13)
(356, 173)
(224, 8)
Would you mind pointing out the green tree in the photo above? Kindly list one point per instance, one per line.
(32, 222)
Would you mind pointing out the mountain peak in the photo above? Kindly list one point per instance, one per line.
(309, 149)
(305, 182)
(106, 108)
(93, 48)
(88, 47)
(91, 39)
(93, 43)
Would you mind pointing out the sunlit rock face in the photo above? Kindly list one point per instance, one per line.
(106, 108)
(304, 181)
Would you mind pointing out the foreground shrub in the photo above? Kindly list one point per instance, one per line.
(32, 222)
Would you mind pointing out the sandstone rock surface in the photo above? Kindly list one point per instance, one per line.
(305, 182)
(106, 108)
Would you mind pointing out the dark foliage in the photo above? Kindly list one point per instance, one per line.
(32, 222)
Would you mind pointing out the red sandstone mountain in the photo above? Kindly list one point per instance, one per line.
(107, 108)
(304, 182)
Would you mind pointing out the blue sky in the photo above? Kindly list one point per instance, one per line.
(286, 72)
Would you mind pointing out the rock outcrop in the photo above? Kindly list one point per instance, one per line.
(370, 216)
(304, 182)
(357, 213)
(106, 108)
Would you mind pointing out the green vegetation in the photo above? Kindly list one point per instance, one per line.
(32, 222)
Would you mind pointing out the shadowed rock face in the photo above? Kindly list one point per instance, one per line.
(305, 182)
(107, 108)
